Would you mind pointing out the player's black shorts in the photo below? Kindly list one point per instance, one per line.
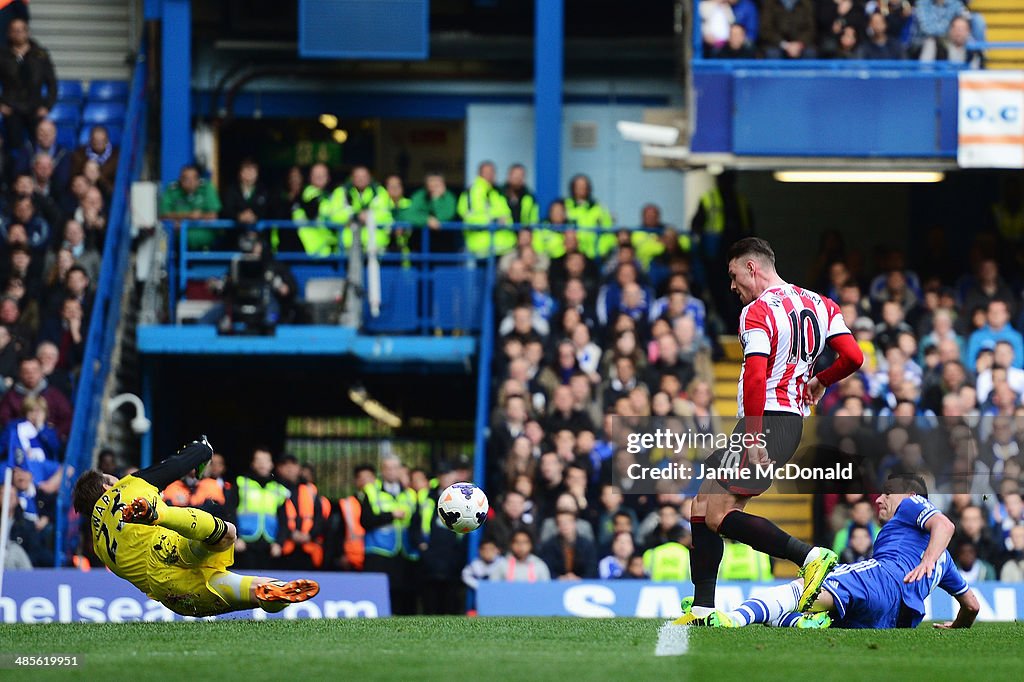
(782, 433)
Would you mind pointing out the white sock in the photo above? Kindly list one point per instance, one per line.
(701, 611)
(812, 555)
(770, 607)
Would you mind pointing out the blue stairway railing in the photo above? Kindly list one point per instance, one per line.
(106, 307)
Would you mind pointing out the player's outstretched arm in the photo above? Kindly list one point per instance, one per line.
(171, 469)
(849, 359)
(940, 530)
(969, 608)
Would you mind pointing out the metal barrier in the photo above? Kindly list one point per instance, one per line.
(450, 287)
(107, 303)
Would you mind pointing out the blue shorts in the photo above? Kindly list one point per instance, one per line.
(865, 594)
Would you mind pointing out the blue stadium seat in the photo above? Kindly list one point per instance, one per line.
(398, 302)
(108, 91)
(70, 91)
(104, 112)
(113, 131)
(65, 113)
(67, 135)
(456, 300)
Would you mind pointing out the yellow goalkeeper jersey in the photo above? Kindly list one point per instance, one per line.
(126, 548)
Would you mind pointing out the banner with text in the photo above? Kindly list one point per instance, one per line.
(98, 596)
(991, 119)
(644, 599)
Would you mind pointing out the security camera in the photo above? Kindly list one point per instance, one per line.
(647, 133)
(140, 425)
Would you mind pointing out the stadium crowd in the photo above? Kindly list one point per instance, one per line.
(53, 205)
(626, 323)
(925, 30)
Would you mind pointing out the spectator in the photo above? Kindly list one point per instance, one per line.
(31, 383)
(743, 562)
(247, 201)
(933, 19)
(669, 561)
(192, 198)
(33, 445)
(892, 325)
(747, 15)
(91, 212)
(859, 547)
(997, 328)
(974, 531)
(68, 333)
(9, 352)
(614, 565)
(45, 142)
(101, 151)
(568, 556)
(36, 226)
(301, 520)
(973, 569)
(942, 329)
(716, 18)
(25, 73)
(259, 496)
(74, 241)
(23, 540)
(1003, 358)
(898, 18)
(520, 564)
(862, 515)
(483, 566)
(564, 415)
(787, 29)
(508, 520)
(880, 44)
(834, 17)
(521, 201)
(608, 523)
(431, 207)
(987, 286)
(388, 511)
(1013, 568)
(584, 211)
(483, 204)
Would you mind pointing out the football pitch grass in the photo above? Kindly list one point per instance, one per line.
(485, 649)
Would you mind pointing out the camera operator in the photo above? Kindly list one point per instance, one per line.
(258, 293)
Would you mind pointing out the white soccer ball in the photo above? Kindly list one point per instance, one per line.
(462, 507)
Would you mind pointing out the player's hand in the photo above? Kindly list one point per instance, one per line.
(948, 625)
(925, 568)
(398, 514)
(758, 455)
(275, 550)
(813, 390)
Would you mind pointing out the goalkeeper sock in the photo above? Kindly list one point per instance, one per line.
(772, 605)
(235, 589)
(705, 557)
(194, 524)
(764, 536)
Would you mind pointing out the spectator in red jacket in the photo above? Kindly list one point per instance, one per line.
(31, 382)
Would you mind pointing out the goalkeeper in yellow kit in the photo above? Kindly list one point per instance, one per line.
(179, 556)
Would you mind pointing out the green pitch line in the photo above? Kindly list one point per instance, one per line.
(558, 649)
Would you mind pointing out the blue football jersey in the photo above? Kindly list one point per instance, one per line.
(901, 544)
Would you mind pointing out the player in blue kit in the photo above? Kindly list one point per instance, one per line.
(887, 591)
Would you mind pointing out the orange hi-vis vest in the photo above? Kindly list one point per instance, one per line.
(177, 493)
(355, 537)
(307, 494)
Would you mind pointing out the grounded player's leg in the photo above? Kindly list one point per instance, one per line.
(770, 606)
(247, 591)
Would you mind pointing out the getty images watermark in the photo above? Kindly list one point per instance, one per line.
(737, 458)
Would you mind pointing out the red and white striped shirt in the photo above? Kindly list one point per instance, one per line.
(789, 326)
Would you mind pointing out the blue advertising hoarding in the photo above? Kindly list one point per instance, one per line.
(644, 599)
(98, 596)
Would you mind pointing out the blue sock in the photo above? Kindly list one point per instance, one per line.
(789, 620)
